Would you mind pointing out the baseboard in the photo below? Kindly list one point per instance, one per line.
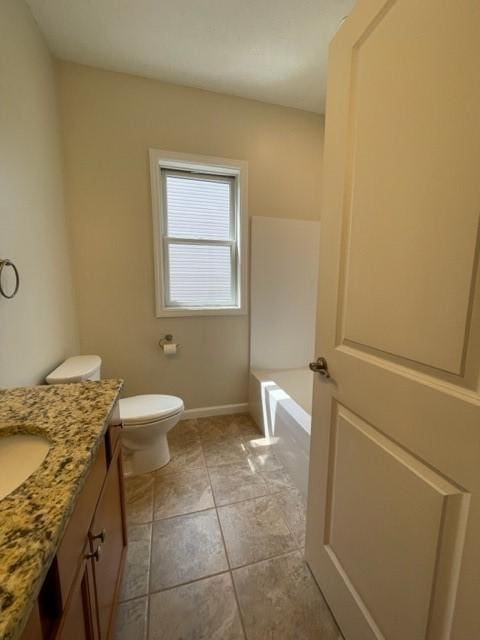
(219, 410)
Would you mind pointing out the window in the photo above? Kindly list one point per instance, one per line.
(199, 234)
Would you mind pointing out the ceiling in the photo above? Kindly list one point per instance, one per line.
(269, 50)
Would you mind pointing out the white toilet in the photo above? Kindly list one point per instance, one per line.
(146, 419)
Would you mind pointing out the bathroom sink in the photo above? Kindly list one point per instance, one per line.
(20, 456)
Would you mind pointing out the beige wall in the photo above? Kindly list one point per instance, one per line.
(110, 120)
(38, 327)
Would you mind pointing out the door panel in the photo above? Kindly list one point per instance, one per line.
(412, 190)
(401, 525)
(394, 495)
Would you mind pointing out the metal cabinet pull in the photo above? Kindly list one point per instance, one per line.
(102, 536)
(95, 555)
(320, 366)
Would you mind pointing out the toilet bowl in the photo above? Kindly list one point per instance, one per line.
(146, 421)
(146, 418)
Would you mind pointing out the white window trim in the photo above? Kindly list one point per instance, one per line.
(159, 160)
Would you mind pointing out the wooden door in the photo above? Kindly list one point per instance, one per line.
(108, 540)
(393, 525)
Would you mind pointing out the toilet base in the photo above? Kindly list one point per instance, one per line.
(146, 460)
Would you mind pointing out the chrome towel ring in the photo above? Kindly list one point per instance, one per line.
(3, 265)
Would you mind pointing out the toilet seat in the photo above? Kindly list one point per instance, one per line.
(141, 410)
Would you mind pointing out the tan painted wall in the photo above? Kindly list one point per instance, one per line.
(110, 120)
(38, 327)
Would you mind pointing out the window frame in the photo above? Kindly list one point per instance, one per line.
(198, 165)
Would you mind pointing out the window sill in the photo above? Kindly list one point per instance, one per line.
(179, 312)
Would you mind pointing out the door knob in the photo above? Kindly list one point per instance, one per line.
(320, 366)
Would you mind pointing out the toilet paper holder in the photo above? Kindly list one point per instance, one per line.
(167, 339)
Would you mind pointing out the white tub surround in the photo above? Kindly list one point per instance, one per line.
(285, 255)
(281, 405)
(283, 288)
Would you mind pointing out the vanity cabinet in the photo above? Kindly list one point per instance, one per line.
(79, 596)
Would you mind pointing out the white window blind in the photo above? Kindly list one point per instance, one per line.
(200, 240)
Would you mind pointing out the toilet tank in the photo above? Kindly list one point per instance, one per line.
(76, 369)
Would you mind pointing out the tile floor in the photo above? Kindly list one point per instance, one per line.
(216, 544)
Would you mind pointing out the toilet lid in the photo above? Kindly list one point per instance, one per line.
(148, 408)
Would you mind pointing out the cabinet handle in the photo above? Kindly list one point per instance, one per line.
(95, 555)
(102, 536)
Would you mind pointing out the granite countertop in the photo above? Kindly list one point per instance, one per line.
(73, 418)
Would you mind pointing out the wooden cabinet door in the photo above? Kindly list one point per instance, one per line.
(72, 546)
(108, 536)
(33, 628)
(79, 621)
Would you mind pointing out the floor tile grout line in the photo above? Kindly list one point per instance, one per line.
(293, 537)
(215, 506)
(180, 515)
(270, 493)
(151, 559)
(218, 519)
(275, 555)
(265, 495)
(150, 591)
(229, 504)
(187, 582)
(240, 612)
(147, 621)
(213, 575)
(239, 608)
(149, 584)
(235, 595)
(149, 540)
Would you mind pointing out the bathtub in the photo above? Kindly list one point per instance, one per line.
(280, 402)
